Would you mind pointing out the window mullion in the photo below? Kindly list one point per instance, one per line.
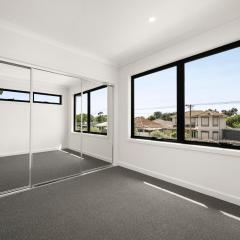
(180, 103)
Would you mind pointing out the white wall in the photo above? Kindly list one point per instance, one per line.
(49, 122)
(208, 170)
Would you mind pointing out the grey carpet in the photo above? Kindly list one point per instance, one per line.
(46, 166)
(114, 204)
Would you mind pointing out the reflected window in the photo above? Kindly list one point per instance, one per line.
(14, 95)
(47, 98)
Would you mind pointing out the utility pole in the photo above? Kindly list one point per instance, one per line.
(190, 115)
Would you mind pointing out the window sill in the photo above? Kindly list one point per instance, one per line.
(188, 147)
(91, 135)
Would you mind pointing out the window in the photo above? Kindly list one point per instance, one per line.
(47, 98)
(212, 89)
(204, 121)
(215, 121)
(206, 88)
(194, 134)
(94, 110)
(98, 111)
(77, 114)
(14, 95)
(194, 121)
(215, 136)
(204, 135)
(154, 111)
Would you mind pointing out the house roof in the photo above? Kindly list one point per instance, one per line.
(201, 113)
(103, 124)
(141, 122)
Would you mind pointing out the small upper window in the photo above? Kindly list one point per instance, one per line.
(47, 98)
(14, 95)
(215, 121)
(205, 121)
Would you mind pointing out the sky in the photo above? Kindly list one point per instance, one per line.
(214, 79)
(98, 102)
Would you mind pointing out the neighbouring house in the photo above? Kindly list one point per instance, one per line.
(102, 126)
(144, 127)
(203, 125)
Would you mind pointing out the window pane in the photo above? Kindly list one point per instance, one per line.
(99, 118)
(155, 105)
(44, 98)
(78, 113)
(212, 96)
(13, 95)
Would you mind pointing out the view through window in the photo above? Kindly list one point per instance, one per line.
(155, 105)
(212, 98)
(94, 111)
(208, 94)
(77, 100)
(99, 121)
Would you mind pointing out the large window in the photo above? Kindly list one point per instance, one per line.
(78, 118)
(206, 88)
(98, 108)
(155, 105)
(94, 111)
(14, 95)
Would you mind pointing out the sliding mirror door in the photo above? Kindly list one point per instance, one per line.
(14, 127)
(95, 104)
(50, 128)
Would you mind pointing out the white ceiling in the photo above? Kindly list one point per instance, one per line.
(117, 30)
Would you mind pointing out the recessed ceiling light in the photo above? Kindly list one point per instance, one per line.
(152, 19)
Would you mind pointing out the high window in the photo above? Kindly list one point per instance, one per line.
(47, 98)
(194, 100)
(14, 95)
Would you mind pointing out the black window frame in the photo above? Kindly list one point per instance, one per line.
(48, 94)
(15, 100)
(88, 92)
(180, 65)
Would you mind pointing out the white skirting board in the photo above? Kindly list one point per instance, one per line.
(211, 192)
(26, 152)
(55, 149)
(106, 159)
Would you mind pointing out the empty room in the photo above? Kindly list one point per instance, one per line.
(120, 120)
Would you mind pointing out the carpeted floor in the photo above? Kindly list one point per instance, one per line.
(115, 204)
(46, 166)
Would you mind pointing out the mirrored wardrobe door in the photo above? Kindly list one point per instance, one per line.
(14, 127)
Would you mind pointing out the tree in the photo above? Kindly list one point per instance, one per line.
(151, 118)
(157, 115)
(230, 112)
(233, 121)
(101, 118)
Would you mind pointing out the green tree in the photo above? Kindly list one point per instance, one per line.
(101, 118)
(157, 115)
(151, 118)
(233, 121)
(230, 112)
(158, 134)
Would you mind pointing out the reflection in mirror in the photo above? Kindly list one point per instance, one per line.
(14, 127)
(51, 160)
(97, 116)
